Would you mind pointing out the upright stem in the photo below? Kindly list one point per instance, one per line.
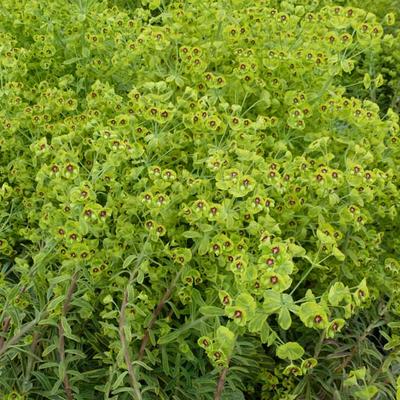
(35, 341)
(156, 313)
(318, 347)
(125, 348)
(122, 323)
(7, 323)
(17, 337)
(220, 384)
(61, 346)
(153, 320)
(6, 327)
(313, 265)
(353, 352)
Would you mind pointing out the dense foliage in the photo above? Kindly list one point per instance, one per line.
(199, 199)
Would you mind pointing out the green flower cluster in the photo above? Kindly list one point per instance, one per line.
(191, 192)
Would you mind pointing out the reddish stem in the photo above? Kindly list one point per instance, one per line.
(61, 348)
(6, 327)
(220, 384)
(153, 320)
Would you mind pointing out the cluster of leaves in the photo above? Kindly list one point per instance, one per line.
(192, 192)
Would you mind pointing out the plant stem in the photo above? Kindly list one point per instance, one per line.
(35, 340)
(6, 324)
(153, 320)
(6, 327)
(15, 339)
(61, 347)
(220, 384)
(353, 352)
(125, 348)
(313, 265)
(319, 344)
(156, 313)
(122, 323)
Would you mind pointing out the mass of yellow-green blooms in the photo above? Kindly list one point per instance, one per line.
(199, 200)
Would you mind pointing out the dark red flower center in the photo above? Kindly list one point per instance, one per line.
(317, 319)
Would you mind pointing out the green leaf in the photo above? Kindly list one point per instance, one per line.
(226, 339)
(206, 227)
(128, 261)
(66, 327)
(296, 251)
(55, 302)
(338, 254)
(49, 349)
(284, 319)
(266, 333)
(256, 323)
(72, 60)
(192, 234)
(212, 311)
(337, 293)
(272, 301)
(359, 373)
(125, 389)
(265, 97)
(62, 368)
(204, 245)
(50, 364)
(246, 301)
(366, 393)
(350, 381)
(327, 239)
(140, 277)
(84, 227)
(142, 364)
(291, 351)
(67, 330)
(367, 81)
(232, 395)
(347, 65)
(118, 382)
(170, 337)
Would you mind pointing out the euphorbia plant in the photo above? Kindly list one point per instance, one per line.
(192, 193)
